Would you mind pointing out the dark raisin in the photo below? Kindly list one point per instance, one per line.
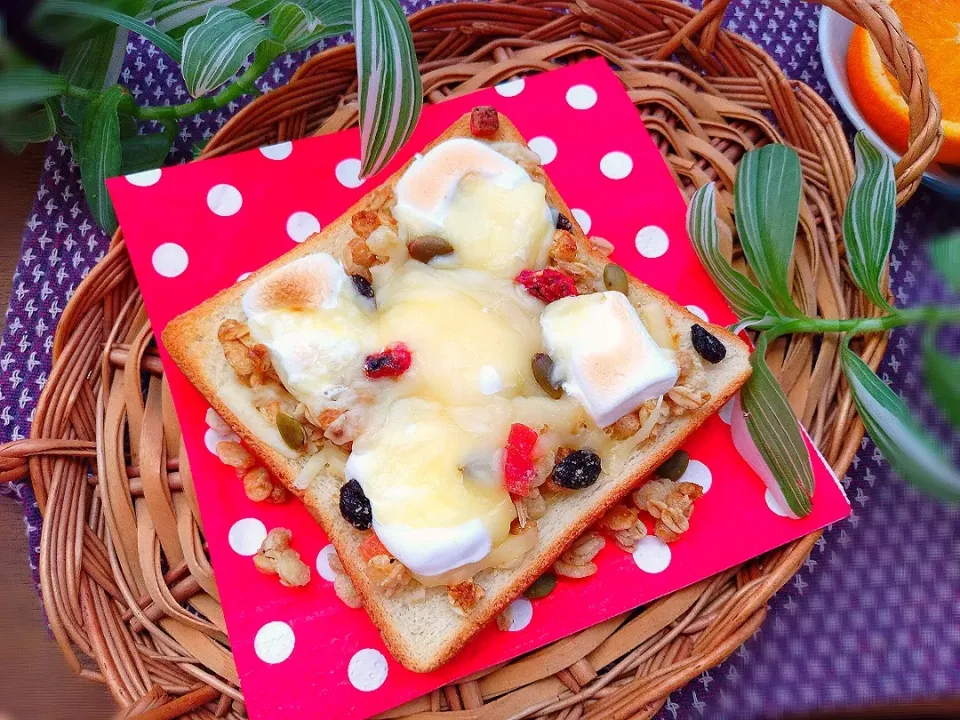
(674, 466)
(362, 285)
(577, 470)
(710, 349)
(541, 587)
(354, 506)
(563, 223)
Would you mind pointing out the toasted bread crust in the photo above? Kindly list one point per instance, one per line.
(191, 339)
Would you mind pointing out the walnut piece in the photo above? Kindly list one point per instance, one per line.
(464, 596)
(276, 557)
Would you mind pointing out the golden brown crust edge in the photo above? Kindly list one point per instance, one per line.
(183, 335)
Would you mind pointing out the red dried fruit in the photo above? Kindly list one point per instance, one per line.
(547, 284)
(518, 466)
(393, 362)
(484, 121)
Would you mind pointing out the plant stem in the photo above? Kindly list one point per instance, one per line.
(858, 326)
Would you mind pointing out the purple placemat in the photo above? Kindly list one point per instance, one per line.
(873, 615)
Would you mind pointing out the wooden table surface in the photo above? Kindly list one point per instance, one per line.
(35, 681)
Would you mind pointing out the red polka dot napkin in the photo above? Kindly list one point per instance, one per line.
(194, 229)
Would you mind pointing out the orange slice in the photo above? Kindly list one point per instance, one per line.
(934, 25)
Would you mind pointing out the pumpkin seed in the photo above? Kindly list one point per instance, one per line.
(541, 587)
(543, 373)
(426, 247)
(674, 466)
(291, 431)
(614, 278)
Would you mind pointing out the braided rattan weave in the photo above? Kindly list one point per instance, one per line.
(706, 96)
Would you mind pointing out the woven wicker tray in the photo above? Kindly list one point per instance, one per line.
(95, 446)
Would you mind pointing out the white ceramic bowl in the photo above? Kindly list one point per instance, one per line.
(834, 35)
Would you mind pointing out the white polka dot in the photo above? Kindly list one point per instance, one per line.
(583, 219)
(323, 563)
(367, 670)
(301, 225)
(652, 242)
(490, 382)
(274, 642)
(616, 165)
(581, 97)
(545, 148)
(775, 506)
(726, 412)
(348, 173)
(698, 474)
(210, 438)
(280, 151)
(243, 276)
(511, 88)
(170, 260)
(699, 312)
(652, 554)
(145, 178)
(224, 200)
(246, 536)
(520, 614)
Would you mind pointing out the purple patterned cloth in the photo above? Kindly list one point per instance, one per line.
(873, 615)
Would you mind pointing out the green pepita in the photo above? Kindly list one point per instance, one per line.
(615, 278)
(541, 587)
(291, 431)
(674, 466)
(543, 373)
(426, 247)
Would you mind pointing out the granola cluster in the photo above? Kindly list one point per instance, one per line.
(276, 557)
(250, 360)
(257, 482)
(670, 502)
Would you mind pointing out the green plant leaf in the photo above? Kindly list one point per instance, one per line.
(766, 209)
(391, 92)
(175, 17)
(215, 49)
(298, 27)
(21, 88)
(100, 154)
(75, 8)
(93, 64)
(869, 217)
(68, 29)
(17, 130)
(776, 432)
(943, 377)
(748, 301)
(945, 256)
(143, 152)
(896, 433)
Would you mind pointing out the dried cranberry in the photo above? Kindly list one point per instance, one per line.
(393, 362)
(484, 121)
(518, 467)
(547, 284)
(563, 223)
(354, 505)
(577, 470)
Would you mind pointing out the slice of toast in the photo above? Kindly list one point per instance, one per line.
(424, 634)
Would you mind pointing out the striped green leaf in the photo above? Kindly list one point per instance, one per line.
(748, 301)
(88, 10)
(905, 446)
(945, 255)
(214, 50)
(175, 17)
(143, 152)
(298, 27)
(100, 154)
(767, 208)
(391, 92)
(24, 87)
(869, 217)
(776, 433)
(943, 377)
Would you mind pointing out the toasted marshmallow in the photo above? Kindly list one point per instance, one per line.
(484, 204)
(604, 356)
(314, 323)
